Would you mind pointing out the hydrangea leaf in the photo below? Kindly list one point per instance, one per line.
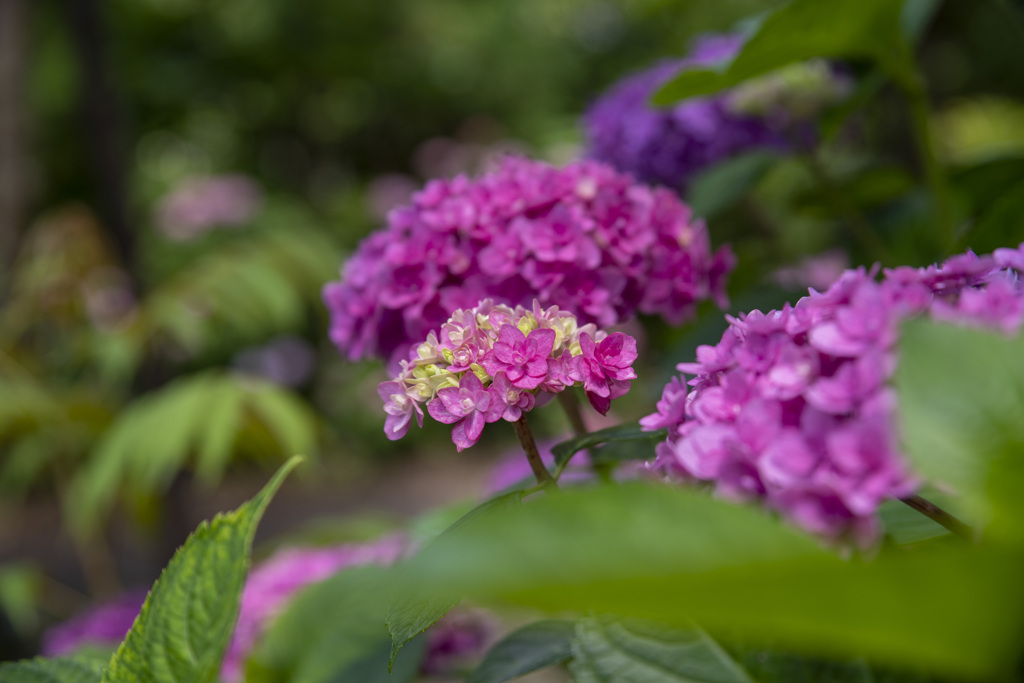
(534, 646)
(803, 29)
(963, 428)
(606, 649)
(334, 631)
(629, 432)
(414, 611)
(42, 670)
(673, 555)
(186, 622)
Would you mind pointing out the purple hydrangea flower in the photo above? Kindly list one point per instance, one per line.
(669, 146)
(794, 407)
(511, 356)
(584, 237)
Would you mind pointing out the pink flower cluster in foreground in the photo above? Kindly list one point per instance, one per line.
(794, 407)
(461, 636)
(495, 362)
(584, 237)
(272, 585)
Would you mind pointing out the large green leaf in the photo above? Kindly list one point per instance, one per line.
(961, 399)
(333, 632)
(671, 555)
(633, 651)
(532, 647)
(41, 670)
(186, 622)
(853, 29)
(414, 610)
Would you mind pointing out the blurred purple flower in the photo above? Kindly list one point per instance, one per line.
(202, 203)
(669, 146)
(794, 407)
(104, 625)
(585, 238)
(817, 272)
(286, 360)
(457, 640)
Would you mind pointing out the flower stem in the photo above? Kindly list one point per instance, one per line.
(522, 428)
(571, 405)
(935, 176)
(858, 225)
(930, 509)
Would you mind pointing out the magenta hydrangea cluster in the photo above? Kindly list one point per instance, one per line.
(495, 362)
(795, 408)
(584, 237)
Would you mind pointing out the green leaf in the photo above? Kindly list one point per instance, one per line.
(803, 29)
(634, 651)
(628, 432)
(532, 647)
(414, 611)
(661, 553)
(42, 670)
(963, 427)
(721, 186)
(334, 632)
(186, 622)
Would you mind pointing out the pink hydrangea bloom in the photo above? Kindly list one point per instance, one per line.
(492, 363)
(584, 237)
(795, 408)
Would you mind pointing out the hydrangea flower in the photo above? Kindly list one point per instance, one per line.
(794, 407)
(493, 362)
(669, 146)
(584, 237)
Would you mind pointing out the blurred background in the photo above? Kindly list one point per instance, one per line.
(179, 178)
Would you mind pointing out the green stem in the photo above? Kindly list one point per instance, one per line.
(930, 509)
(544, 477)
(571, 405)
(924, 137)
(859, 226)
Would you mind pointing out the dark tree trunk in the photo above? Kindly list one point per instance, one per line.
(15, 172)
(102, 126)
